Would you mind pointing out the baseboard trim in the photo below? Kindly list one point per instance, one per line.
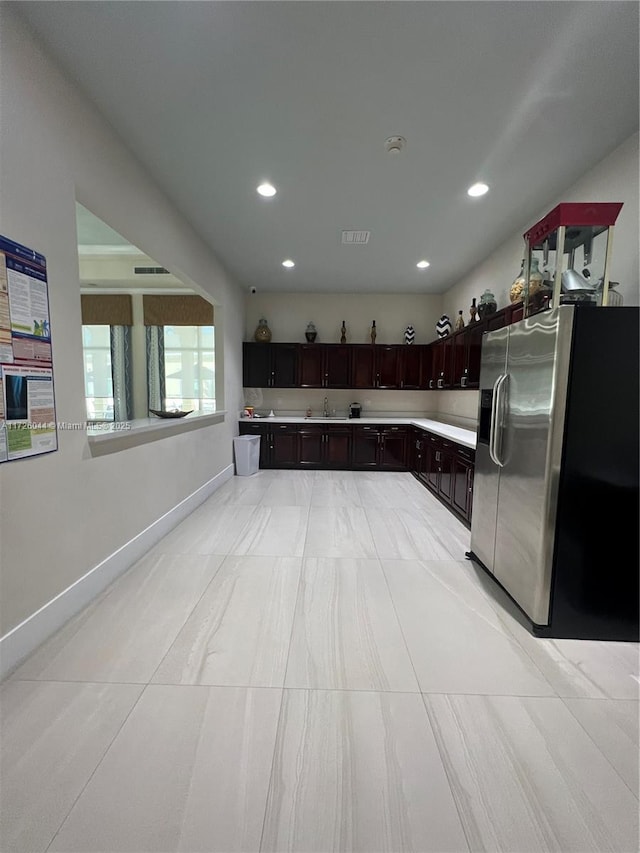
(35, 629)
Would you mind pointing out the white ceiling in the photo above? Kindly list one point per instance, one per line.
(215, 97)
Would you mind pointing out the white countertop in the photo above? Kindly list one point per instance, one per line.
(465, 437)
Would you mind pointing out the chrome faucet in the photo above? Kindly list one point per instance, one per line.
(325, 410)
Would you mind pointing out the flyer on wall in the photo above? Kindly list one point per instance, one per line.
(27, 401)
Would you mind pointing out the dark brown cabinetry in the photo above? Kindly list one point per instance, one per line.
(324, 447)
(446, 469)
(278, 443)
(441, 364)
(380, 447)
(415, 367)
(269, 365)
(452, 362)
(324, 366)
(376, 366)
(463, 482)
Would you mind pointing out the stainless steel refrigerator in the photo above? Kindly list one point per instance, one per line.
(555, 497)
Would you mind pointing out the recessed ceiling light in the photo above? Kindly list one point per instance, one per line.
(422, 265)
(266, 190)
(477, 190)
(288, 264)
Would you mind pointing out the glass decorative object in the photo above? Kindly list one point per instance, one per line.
(311, 333)
(488, 304)
(409, 335)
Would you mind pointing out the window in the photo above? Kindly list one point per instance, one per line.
(189, 368)
(98, 376)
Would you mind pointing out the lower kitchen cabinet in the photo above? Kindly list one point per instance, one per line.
(446, 469)
(324, 447)
(462, 493)
(380, 447)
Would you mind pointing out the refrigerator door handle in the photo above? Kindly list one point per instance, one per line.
(494, 421)
(499, 416)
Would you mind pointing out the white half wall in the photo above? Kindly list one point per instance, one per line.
(65, 513)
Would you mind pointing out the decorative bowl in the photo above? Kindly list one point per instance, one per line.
(174, 414)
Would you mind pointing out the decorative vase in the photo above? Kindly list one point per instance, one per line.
(473, 311)
(536, 287)
(311, 333)
(263, 333)
(488, 304)
(343, 333)
(373, 332)
(459, 322)
(443, 326)
(516, 294)
(409, 335)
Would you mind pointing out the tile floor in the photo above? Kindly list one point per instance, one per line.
(308, 663)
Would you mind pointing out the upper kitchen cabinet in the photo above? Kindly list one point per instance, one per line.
(269, 365)
(375, 366)
(467, 346)
(441, 374)
(325, 366)
(415, 367)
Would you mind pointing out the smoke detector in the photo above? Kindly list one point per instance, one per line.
(395, 144)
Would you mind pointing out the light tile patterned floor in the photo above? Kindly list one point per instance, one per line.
(308, 663)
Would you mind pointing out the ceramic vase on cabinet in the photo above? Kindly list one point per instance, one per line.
(443, 326)
(263, 333)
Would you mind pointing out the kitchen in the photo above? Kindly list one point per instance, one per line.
(245, 700)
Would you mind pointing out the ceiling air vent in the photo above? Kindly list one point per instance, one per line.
(151, 271)
(355, 237)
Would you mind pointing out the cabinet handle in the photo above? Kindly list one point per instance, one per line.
(440, 383)
(437, 457)
(431, 383)
(402, 383)
(395, 428)
(463, 382)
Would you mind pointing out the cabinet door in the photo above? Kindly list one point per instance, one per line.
(410, 367)
(284, 446)
(473, 354)
(459, 369)
(362, 366)
(256, 365)
(445, 456)
(337, 366)
(365, 447)
(496, 321)
(311, 446)
(393, 449)
(284, 365)
(387, 366)
(445, 363)
(432, 463)
(311, 366)
(460, 499)
(337, 447)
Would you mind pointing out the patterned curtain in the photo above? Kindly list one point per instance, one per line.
(155, 366)
(122, 372)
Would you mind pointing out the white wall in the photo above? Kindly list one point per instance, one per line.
(614, 179)
(288, 314)
(63, 513)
